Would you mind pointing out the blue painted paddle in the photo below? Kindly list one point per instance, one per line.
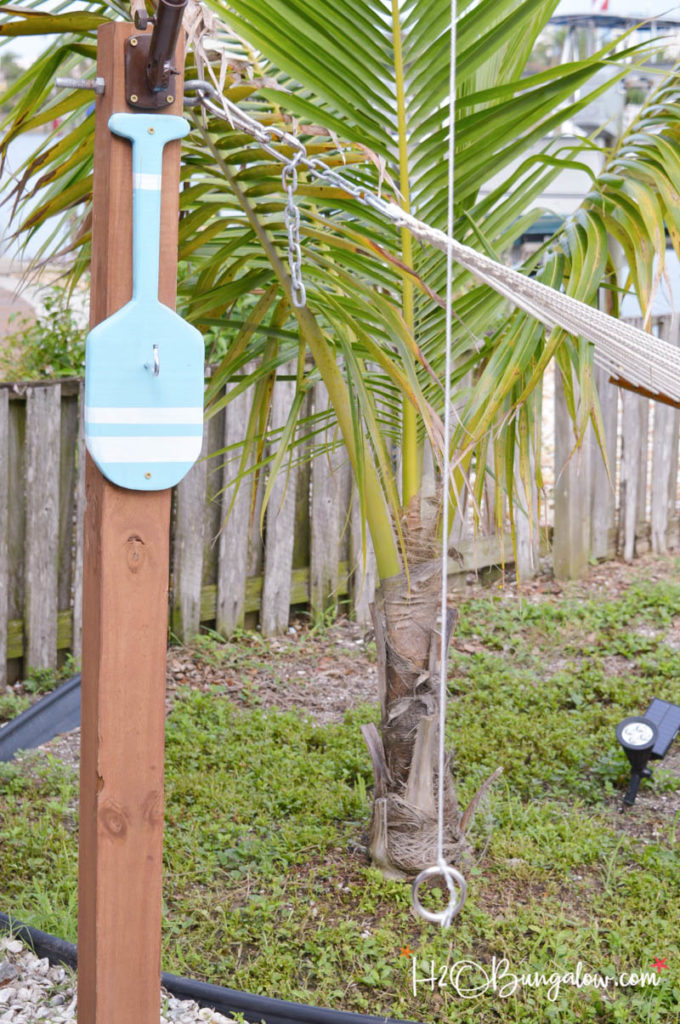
(144, 364)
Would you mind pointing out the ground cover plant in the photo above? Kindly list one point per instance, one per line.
(268, 886)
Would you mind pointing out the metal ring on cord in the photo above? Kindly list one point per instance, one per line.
(456, 885)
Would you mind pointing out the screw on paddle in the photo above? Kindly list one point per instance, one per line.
(144, 427)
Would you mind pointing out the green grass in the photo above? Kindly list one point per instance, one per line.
(266, 888)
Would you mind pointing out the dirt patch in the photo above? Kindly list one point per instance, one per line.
(323, 675)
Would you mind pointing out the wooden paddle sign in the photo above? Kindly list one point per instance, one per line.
(144, 365)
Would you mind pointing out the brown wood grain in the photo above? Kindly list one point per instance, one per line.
(126, 564)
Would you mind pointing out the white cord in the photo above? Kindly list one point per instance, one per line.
(441, 861)
(455, 882)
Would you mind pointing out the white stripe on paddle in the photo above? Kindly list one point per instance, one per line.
(143, 414)
(147, 182)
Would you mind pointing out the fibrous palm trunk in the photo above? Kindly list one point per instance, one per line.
(403, 835)
(403, 831)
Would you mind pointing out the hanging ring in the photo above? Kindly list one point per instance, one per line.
(456, 885)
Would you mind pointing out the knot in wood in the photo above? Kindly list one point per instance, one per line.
(113, 821)
(135, 553)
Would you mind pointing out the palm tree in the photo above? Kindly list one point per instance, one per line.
(365, 85)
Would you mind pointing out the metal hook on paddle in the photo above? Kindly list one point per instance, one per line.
(156, 365)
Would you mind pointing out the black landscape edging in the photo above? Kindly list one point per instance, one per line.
(53, 714)
(225, 1000)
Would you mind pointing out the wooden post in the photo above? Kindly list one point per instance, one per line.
(125, 617)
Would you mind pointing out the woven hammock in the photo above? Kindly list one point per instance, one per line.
(635, 359)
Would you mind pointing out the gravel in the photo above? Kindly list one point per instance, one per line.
(31, 991)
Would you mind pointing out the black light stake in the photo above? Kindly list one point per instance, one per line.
(637, 736)
(645, 737)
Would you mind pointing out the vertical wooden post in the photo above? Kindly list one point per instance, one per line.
(280, 526)
(125, 616)
(571, 534)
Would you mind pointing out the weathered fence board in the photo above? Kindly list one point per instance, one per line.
(329, 508)
(634, 429)
(212, 441)
(362, 558)
(66, 497)
(43, 417)
(571, 537)
(603, 491)
(280, 527)
(526, 525)
(663, 516)
(233, 543)
(79, 532)
(188, 545)
(16, 527)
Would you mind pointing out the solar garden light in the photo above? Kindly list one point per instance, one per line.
(644, 738)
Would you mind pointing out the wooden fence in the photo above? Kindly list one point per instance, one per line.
(634, 508)
(227, 572)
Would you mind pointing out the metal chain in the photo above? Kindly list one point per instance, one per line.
(214, 102)
(291, 218)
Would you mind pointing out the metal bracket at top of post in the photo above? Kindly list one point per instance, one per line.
(149, 59)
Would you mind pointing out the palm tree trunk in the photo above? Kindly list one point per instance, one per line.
(403, 830)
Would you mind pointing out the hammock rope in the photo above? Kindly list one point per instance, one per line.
(455, 881)
(632, 356)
